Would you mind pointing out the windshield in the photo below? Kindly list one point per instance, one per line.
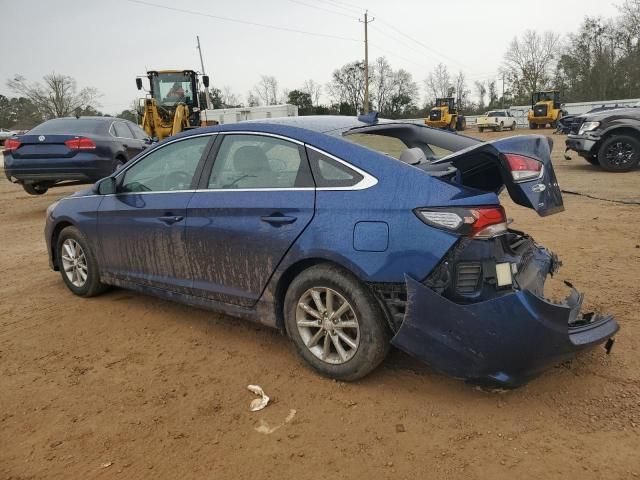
(544, 96)
(172, 88)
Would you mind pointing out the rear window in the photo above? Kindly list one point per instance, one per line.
(391, 146)
(496, 114)
(70, 126)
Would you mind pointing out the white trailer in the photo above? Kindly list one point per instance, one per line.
(234, 115)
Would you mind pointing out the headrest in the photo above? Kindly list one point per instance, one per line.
(413, 156)
(250, 159)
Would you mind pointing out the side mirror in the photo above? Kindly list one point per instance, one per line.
(106, 186)
(139, 83)
(205, 81)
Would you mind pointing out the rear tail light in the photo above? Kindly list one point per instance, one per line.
(523, 168)
(11, 144)
(477, 222)
(80, 143)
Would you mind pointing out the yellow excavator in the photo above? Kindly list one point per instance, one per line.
(445, 114)
(174, 102)
(545, 109)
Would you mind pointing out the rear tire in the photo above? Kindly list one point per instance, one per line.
(481, 129)
(533, 126)
(34, 188)
(619, 153)
(500, 127)
(77, 263)
(346, 347)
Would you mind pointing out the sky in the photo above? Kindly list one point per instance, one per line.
(106, 44)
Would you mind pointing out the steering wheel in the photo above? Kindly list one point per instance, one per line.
(176, 181)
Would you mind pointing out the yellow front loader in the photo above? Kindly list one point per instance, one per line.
(545, 109)
(173, 103)
(445, 114)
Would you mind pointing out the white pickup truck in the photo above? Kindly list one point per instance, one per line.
(497, 120)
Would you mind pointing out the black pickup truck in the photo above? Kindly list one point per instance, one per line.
(609, 138)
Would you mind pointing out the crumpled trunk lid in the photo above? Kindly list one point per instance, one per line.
(485, 167)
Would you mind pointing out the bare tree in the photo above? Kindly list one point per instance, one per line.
(57, 97)
(382, 83)
(461, 90)
(313, 89)
(228, 97)
(252, 100)
(530, 61)
(438, 83)
(493, 93)
(267, 90)
(347, 86)
(481, 90)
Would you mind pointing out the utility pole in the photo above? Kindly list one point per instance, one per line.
(206, 90)
(366, 61)
(503, 91)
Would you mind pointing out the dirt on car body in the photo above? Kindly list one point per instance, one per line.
(132, 386)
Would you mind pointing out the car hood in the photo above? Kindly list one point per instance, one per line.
(612, 114)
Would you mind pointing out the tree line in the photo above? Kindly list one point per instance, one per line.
(601, 61)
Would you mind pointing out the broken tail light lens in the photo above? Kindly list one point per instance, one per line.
(523, 168)
(80, 143)
(11, 144)
(476, 222)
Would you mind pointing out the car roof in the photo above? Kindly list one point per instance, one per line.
(328, 124)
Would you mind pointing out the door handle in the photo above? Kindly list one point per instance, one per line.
(278, 219)
(170, 219)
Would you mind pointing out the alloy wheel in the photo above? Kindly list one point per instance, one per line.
(328, 325)
(74, 262)
(620, 153)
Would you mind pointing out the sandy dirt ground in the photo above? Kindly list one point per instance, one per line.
(128, 386)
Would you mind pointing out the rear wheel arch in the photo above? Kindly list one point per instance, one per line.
(292, 272)
(54, 241)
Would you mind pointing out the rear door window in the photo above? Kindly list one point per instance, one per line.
(256, 161)
(121, 130)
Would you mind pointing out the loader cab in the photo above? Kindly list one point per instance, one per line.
(449, 103)
(169, 88)
(550, 96)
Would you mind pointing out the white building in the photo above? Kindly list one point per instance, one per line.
(234, 115)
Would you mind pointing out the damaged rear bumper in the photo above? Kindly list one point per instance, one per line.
(504, 341)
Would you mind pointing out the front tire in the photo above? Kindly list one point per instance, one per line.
(35, 188)
(619, 153)
(336, 323)
(513, 126)
(77, 263)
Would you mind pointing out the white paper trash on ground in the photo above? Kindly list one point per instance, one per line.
(258, 403)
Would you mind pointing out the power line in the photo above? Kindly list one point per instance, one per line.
(245, 22)
(324, 9)
(343, 6)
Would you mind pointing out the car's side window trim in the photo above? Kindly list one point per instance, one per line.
(367, 181)
(196, 175)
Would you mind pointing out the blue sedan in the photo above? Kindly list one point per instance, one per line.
(349, 235)
(71, 150)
